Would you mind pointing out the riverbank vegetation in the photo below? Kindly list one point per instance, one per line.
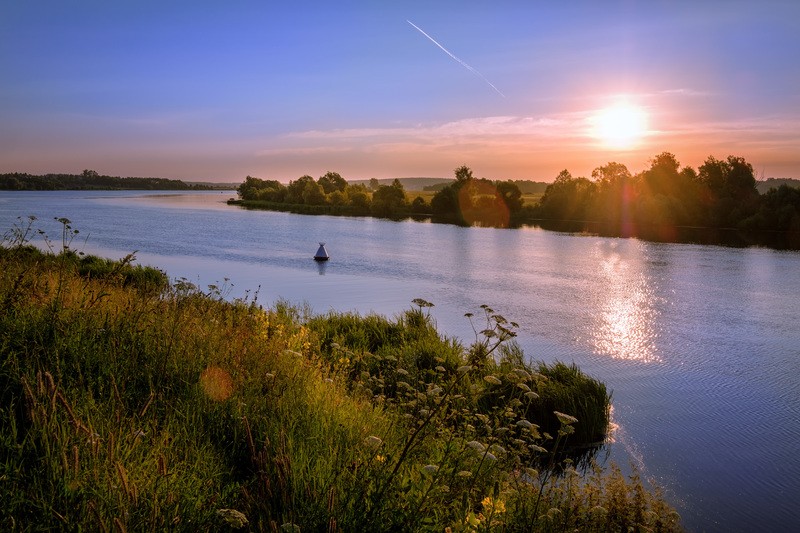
(91, 180)
(133, 404)
(665, 202)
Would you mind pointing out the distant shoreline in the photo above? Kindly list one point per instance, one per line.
(92, 181)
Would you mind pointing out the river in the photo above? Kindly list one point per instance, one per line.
(699, 344)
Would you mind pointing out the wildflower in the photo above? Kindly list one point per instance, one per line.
(379, 458)
(430, 469)
(373, 442)
(522, 373)
(497, 449)
(235, 519)
(535, 448)
(492, 379)
(599, 510)
(464, 369)
(490, 456)
(564, 418)
(440, 368)
(524, 387)
(402, 371)
(477, 446)
(566, 430)
(531, 472)
(531, 395)
(553, 513)
(464, 473)
(493, 506)
(525, 424)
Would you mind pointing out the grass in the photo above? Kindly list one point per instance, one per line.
(131, 404)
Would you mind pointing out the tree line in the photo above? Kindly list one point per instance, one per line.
(720, 193)
(467, 200)
(89, 180)
(658, 201)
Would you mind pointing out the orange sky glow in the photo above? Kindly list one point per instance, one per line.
(514, 92)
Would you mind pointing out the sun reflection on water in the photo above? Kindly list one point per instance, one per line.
(625, 326)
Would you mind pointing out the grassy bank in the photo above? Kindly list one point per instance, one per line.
(129, 404)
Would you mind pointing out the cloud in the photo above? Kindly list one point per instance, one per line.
(486, 128)
(685, 92)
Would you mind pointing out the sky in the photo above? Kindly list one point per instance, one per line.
(217, 91)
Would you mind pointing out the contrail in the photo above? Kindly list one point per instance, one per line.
(446, 51)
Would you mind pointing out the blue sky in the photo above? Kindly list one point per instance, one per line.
(220, 90)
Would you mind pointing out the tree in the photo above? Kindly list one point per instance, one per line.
(729, 190)
(712, 175)
(740, 181)
(611, 174)
(663, 177)
(567, 198)
(332, 181)
(511, 195)
(359, 198)
(248, 190)
(419, 205)
(295, 189)
(313, 193)
(448, 201)
(463, 174)
(445, 201)
(615, 195)
(389, 200)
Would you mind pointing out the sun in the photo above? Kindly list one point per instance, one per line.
(620, 126)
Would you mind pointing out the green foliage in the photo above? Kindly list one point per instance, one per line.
(389, 200)
(662, 198)
(470, 201)
(567, 198)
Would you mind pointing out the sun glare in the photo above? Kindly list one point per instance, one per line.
(620, 126)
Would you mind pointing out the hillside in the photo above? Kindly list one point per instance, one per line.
(774, 183)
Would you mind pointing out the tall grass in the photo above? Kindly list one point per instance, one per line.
(130, 404)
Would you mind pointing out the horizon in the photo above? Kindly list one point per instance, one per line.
(217, 93)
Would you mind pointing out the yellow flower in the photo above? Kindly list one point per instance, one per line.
(380, 459)
(492, 506)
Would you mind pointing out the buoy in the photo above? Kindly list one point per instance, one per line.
(322, 253)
